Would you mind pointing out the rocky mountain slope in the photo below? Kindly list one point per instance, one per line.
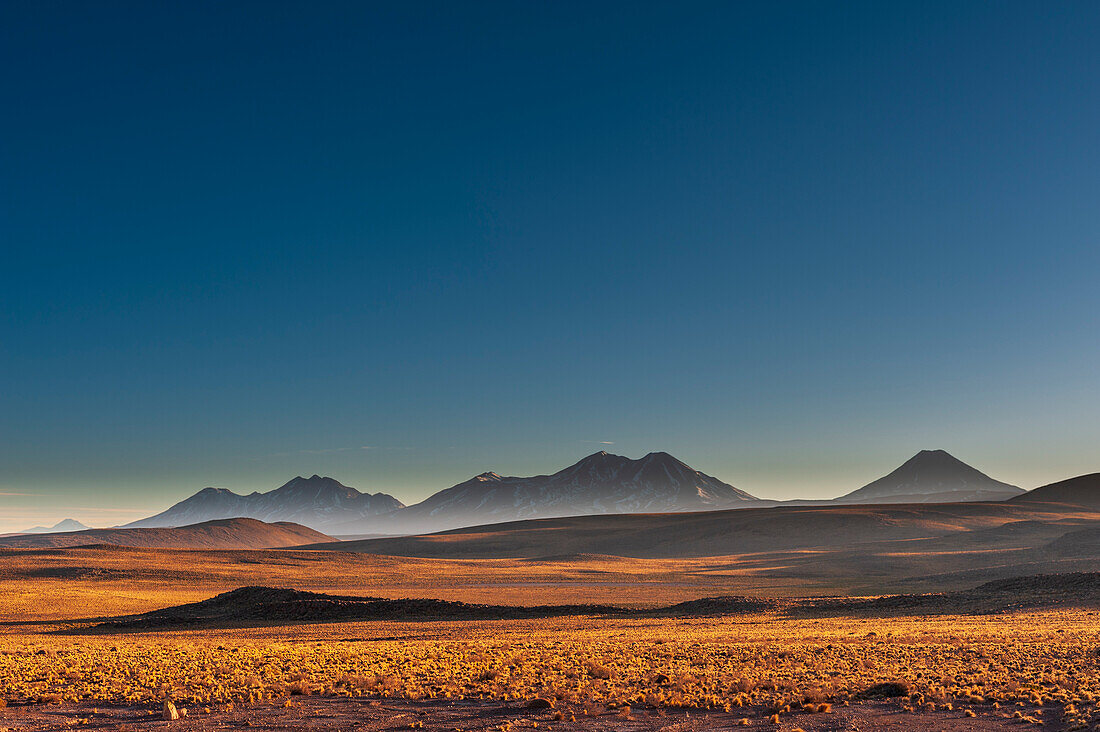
(598, 484)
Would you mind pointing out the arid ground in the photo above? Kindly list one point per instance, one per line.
(950, 662)
(704, 673)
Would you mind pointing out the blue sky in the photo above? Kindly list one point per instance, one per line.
(791, 244)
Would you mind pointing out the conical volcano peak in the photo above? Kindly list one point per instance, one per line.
(935, 456)
(65, 525)
(932, 475)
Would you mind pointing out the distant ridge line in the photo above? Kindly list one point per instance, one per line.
(600, 483)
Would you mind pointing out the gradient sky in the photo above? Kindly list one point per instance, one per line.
(400, 244)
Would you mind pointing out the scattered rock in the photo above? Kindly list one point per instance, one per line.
(540, 703)
(170, 712)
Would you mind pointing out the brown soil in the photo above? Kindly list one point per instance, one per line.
(316, 713)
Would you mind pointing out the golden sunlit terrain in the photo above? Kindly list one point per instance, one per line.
(52, 584)
(1025, 667)
(756, 669)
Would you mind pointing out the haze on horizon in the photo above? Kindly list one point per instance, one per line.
(790, 244)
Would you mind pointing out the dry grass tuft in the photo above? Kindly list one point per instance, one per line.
(595, 666)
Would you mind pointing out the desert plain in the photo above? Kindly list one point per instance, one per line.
(965, 616)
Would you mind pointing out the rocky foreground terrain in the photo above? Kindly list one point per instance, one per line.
(315, 713)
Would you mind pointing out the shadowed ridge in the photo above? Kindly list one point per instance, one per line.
(257, 605)
(1083, 490)
(721, 532)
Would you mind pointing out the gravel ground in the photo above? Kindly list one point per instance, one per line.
(314, 713)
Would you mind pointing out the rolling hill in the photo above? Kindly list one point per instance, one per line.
(1084, 490)
(721, 533)
(238, 533)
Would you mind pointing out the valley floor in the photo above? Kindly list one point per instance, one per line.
(1009, 669)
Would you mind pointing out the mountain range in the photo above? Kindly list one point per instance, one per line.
(316, 502)
(601, 483)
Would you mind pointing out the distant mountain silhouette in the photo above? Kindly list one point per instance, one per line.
(932, 476)
(600, 483)
(63, 525)
(317, 502)
(224, 534)
(1084, 490)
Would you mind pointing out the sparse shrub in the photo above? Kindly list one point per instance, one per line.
(299, 688)
(597, 671)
